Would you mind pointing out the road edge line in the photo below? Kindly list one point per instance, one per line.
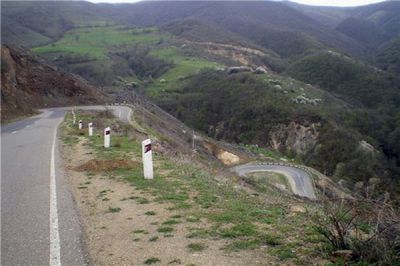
(55, 257)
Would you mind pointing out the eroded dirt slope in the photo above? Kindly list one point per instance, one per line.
(27, 84)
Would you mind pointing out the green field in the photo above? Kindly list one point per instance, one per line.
(96, 41)
(184, 66)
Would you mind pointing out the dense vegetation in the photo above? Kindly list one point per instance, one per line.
(242, 108)
(376, 93)
(144, 65)
(388, 56)
(237, 108)
(344, 76)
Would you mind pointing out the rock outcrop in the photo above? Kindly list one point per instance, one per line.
(294, 137)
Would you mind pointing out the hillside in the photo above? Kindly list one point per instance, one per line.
(27, 23)
(251, 20)
(161, 48)
(219, 85)
(28, 84)
(373, 92)
(327, 15)
(373, 24)
(388, 56)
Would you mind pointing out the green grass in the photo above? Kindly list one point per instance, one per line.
(284, 253)
(153, 238)
(175, 261)
(242, 220)
(143, 201)
(252, 243)
(184, 66)
(263, 181)
(140, 231)
(243, 244)
(198, 233)
(171, 222)
(192, 219)
(165, 229)
(96, 41)
(244, 229)
(152, 260)
(263, 151)
(196, 247)
(114, 209)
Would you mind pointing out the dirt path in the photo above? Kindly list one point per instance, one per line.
(123, 224)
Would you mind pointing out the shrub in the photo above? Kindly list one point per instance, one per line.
(369, 228)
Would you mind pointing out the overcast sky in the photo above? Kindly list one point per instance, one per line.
(309, 2)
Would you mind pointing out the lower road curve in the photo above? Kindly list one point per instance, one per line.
(39, 221)
(299, 180)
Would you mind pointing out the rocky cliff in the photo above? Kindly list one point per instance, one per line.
(27, 83)
(294, 137)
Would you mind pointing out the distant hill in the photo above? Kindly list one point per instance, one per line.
(373, 24)
(268, 24)
(33, 23)
(180, 53)
(27, 84)
(388, 56)
(354, 80)
(326, 15)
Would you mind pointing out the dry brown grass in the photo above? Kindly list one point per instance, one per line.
(106, 165)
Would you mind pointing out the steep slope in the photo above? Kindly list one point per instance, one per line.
(27, 84)
(388, 56)
(373, 24)
(282, 114)
(326, 15)
(355, 80)
(265, 23)
(31, 23)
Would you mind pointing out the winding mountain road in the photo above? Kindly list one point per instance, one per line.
(39, 221)
(299, 180)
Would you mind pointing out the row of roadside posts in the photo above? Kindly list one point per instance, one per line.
(147, 154)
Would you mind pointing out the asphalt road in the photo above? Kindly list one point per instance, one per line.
(39, 221)
(299, 180)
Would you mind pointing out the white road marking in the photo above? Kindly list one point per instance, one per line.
(14, 132)
(55, 258)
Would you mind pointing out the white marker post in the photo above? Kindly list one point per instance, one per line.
(80, 124)
(73, 117)
(107, 137)
(90, 127)
(147, 159)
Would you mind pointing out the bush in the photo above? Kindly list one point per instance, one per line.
(370, 229)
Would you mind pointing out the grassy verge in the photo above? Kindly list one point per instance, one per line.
(211, 206)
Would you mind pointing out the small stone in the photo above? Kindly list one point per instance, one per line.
(342, 255)
(297, 209)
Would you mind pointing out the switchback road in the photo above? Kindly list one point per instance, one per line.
(299, 180)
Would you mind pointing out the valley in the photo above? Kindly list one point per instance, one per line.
(219, 86)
